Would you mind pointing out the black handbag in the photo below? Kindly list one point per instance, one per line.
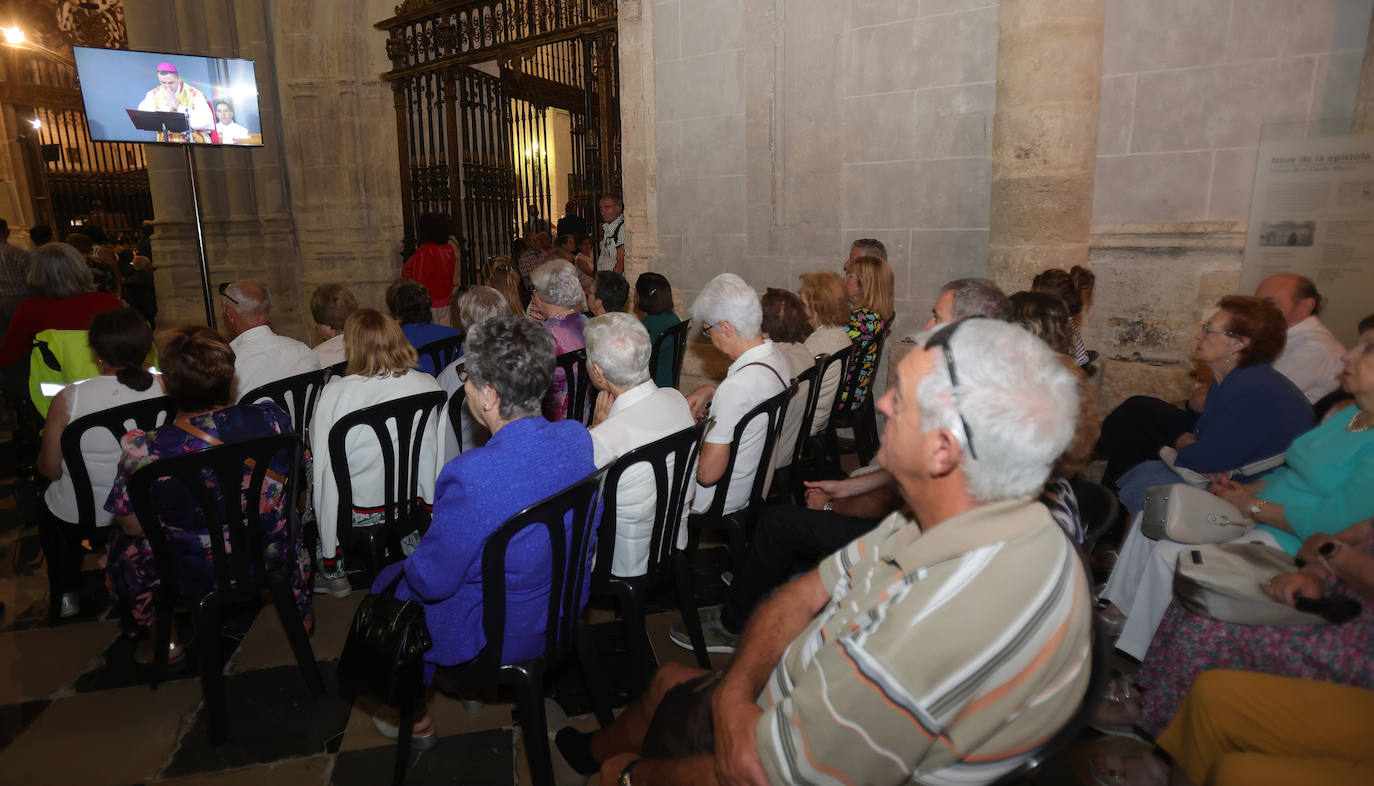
(383, 656)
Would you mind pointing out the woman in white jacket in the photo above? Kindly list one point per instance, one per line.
(381, 368)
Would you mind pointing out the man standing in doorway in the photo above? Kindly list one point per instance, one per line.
(611, 251)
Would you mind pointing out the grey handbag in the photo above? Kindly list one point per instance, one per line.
(1224, 583)
(1184, 514)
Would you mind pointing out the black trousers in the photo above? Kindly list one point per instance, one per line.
(785, 535)
(1136, 430)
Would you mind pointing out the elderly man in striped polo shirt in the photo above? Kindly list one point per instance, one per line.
(940, 647)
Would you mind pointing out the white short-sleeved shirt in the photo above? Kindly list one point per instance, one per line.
(640, 415)
(329, 352)
(261, 356)
(745, 386)
(1311, 358)
(612, 237)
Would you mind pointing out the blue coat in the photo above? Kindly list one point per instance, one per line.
(527, 460)
(1253, 414)
(421, 333)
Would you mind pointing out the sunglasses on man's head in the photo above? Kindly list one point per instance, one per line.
(940, 340)
(224, 290)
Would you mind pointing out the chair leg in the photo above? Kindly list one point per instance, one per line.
(738, 544)
(207, 623)
(591, 674)
(50, 540)
(636, 639)
(162, 640)
(687, 605)
(407, 721)
(529, 698)
(295, 634)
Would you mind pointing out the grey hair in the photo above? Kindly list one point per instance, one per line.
(728, 298)
(872, 247)
(58, 270)
(479, 304)
(1018, 399)
(978, 297)
(515, 356)
(619, 344)
(246, 303)
(557, 284)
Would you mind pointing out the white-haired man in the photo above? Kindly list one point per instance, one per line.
(631, 412)
(730, 315)
(260, 355)
(940, 651)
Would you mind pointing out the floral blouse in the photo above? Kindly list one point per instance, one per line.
(864, 327)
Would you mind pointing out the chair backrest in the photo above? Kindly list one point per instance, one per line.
(569, 519)
(811, 379)
(772, 410)
(116, 421)
(236, 516)
(674, 337)
(457, 410)
(296, 396)
(836, 363)
(671, 484)
(337, 370)
(441, 352)
(574, 367)
(400, 456)
(850, 382)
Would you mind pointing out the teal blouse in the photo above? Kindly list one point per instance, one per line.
(1326, 483)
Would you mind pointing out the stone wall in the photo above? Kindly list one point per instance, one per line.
(787, 129)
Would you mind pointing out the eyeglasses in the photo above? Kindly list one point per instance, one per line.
(224, 290)
(941, 341)
(706, 328)
(1208, 330)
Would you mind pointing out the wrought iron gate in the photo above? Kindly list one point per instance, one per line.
(479, 77)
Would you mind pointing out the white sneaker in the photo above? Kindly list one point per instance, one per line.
(70, 605)
(718, 639)
(335, 588)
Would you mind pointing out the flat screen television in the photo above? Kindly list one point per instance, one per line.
(152, 97)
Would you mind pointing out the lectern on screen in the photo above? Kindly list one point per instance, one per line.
(152, 97)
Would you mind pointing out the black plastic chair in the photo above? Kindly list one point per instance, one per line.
(738, 523)
(296, 395)
(457, 410)
(864, 420)
(788, 479)
(677, 334)
(1070, 731)
(336, 370)
(581, 397)
(402, 508)
(58, 537)
(672, 484)
(240, 571)
(441, 352)
(565, 631)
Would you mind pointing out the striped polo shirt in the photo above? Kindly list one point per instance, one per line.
(942, 657)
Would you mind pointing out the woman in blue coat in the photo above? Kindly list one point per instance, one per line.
(510, 363)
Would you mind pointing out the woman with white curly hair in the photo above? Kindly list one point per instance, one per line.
(557, 301)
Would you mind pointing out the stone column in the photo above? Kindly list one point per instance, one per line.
(1044, 141)
(639, 151)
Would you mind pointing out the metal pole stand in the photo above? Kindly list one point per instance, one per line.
(200, 239)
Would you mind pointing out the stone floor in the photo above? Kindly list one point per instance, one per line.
(76, 709)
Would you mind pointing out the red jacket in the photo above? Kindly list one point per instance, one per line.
(433, 265)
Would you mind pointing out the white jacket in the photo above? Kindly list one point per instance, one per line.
(349, 394)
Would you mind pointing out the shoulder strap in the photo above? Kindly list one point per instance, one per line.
(615, 236)
(199, 433)
(770, 368)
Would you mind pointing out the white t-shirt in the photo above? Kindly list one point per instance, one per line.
(640, 415)
(1311, 358)
(743, 388)
(231, 133)
(99, 450)
(261, 356)
(342, 396)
